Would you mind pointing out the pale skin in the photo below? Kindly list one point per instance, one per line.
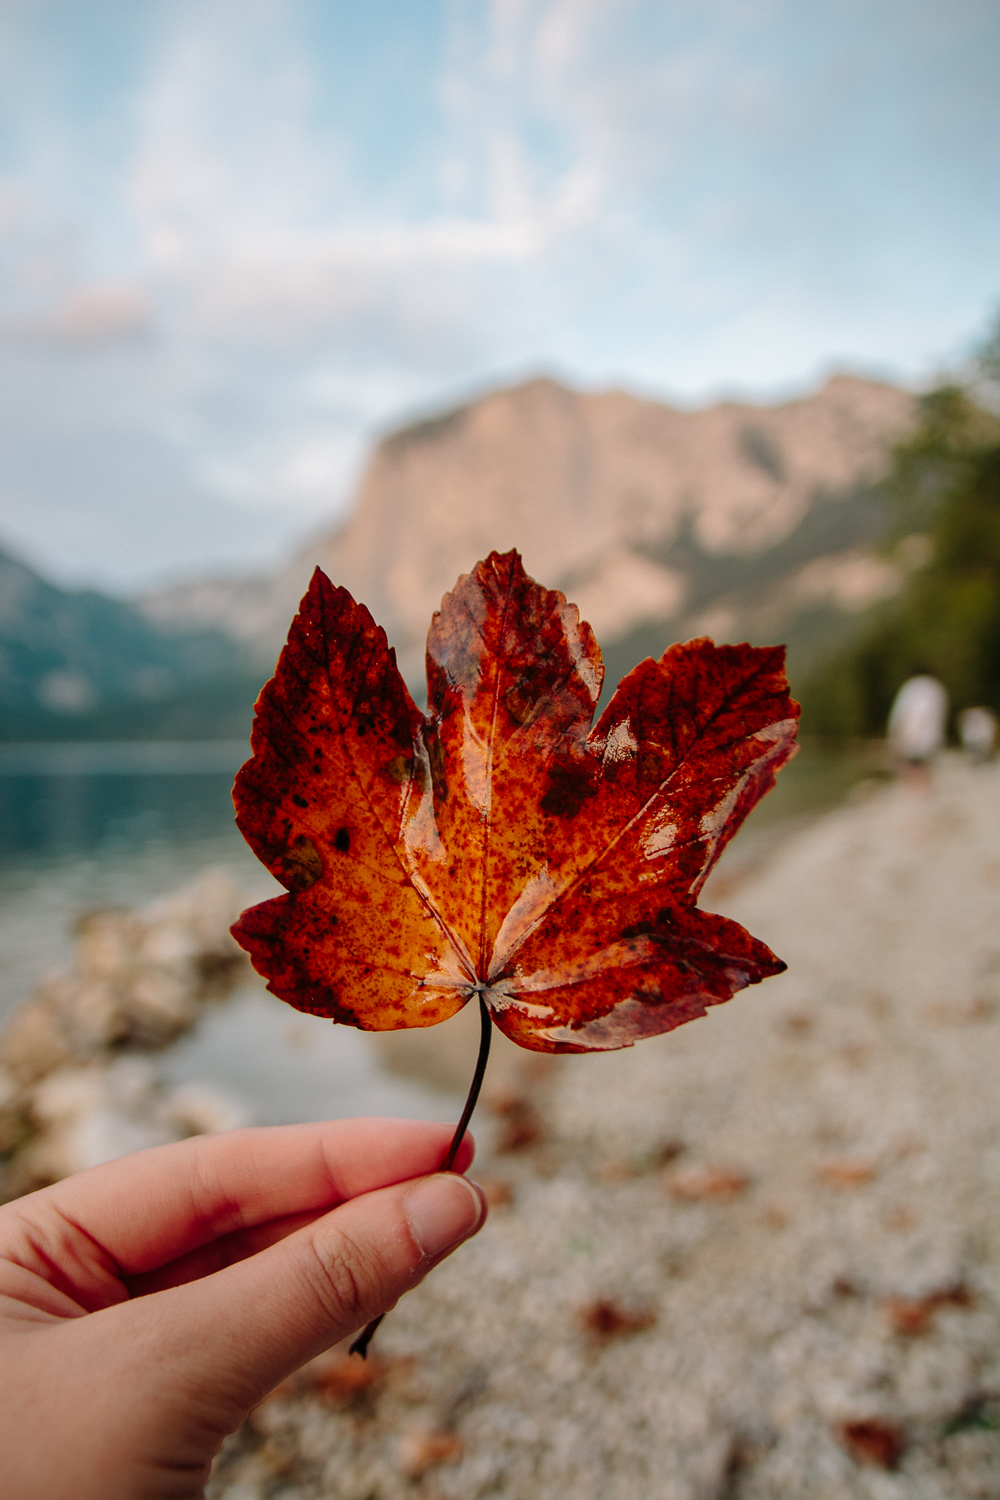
(146, 1306)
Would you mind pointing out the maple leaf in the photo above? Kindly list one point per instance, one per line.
(498, 846)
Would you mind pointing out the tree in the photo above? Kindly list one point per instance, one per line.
(945, 485)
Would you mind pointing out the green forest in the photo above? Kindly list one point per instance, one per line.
(944, 494)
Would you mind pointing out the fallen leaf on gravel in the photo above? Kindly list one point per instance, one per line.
(522, 1124)
(421, 1449)
(908, 1317)
(911, 1316)
(498, 1191)
(346, 1377)
(874, 1442)
(841, 1287)
(707, 1182)
(336, 1377)
(668, 1151)
(498, 847)
(962, 1012)
(797, 1023)
(847, 1174)
(610, 1320)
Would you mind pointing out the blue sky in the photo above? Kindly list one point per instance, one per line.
(238, 238)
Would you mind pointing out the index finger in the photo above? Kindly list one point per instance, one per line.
(147, 1209)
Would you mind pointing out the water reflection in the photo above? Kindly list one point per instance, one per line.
(63, 801)
(90, 825)
(59, 801)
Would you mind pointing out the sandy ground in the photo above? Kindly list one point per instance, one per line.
(757, 1258)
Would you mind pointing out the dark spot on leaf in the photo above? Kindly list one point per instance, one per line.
(520, 700)
(342, 841)
(650, 767)
(638, 929)
(569, 788)
(301, 865)
(299, 801)
(400, 769)
(400, 732)
(435, 753)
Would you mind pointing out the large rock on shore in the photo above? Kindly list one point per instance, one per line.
(75, 1086)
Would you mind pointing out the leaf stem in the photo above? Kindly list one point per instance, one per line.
(364, 1338)
(485, 1037)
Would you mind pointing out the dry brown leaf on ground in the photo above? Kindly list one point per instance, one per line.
(912, 1316)
(874, 1442)
(422, 1448)
(608, 1319)
(847, 1173)
(697, 1183)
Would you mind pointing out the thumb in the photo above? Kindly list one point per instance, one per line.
(231, 1337)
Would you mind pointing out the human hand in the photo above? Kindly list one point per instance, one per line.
(147, 1305)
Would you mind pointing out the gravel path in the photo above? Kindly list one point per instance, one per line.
(757, 1258)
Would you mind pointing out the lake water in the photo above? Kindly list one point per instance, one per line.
(110, 825)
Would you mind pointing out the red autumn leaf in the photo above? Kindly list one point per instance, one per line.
(498, 845)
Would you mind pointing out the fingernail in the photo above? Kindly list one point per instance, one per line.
(443, 1210)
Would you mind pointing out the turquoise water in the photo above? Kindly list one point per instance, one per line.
(118, 824)
(85, 826)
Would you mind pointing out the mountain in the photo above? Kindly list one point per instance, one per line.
(738, 521)
(74, 663)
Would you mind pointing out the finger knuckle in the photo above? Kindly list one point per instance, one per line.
(348, 1280)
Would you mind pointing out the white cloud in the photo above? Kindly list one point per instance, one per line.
(708, 194)
(95, 314)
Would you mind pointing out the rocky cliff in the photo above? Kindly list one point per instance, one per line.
(734, 520)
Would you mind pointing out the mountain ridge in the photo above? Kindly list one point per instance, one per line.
(628, 505)
(76, 662)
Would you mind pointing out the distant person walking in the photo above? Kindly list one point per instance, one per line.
(977, 729)
(917, 723)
